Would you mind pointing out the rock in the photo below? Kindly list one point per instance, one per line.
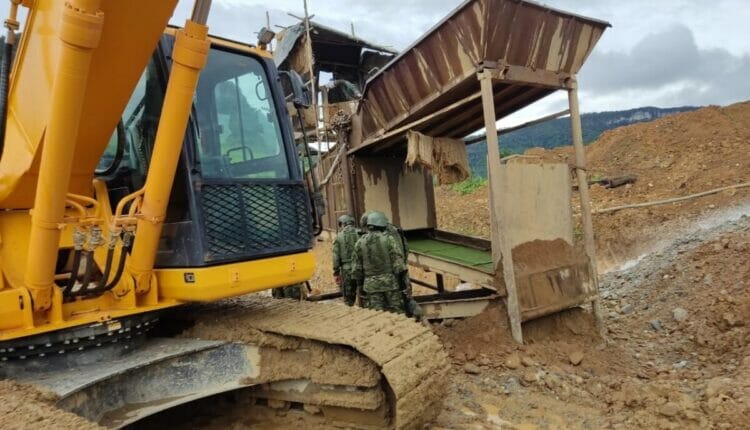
(575, 357)
(512, 385)
(680, 365)
(513, 361)
(679, 314)
(626, 309)
(656, 325)
(669, 409)
(552, 381)
(472, 369)
(277, 404)
(449, 322)
(484, 361)
(718, 386)
(528, 362)
(529, 378)
(311, 409)
(731, 320)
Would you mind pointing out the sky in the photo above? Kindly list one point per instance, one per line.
(662, 53)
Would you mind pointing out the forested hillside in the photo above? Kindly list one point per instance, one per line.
(555, 133)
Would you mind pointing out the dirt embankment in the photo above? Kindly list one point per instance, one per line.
(678, 355)
(674, 156)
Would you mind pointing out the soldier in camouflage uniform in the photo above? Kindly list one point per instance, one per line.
(412, 307)
(378, 265)
(363, 223)
(343, 252)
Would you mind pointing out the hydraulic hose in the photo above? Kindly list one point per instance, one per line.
(88, 257)
(120, 267)
(4, 88)
(10, 40)
(73, 272)
(107, 269)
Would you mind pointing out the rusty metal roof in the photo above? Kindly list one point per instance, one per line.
(332, 49)
(432, 86)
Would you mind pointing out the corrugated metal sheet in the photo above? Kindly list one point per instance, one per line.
(435, 80)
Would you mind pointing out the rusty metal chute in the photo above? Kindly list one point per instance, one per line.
(433, 84)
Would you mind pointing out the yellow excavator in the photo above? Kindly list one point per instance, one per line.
(149, 181)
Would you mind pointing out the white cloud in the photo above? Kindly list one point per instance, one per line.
(665, 52)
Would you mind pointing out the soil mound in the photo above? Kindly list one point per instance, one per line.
(674, 156)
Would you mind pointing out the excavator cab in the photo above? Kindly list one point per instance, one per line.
(238, 192)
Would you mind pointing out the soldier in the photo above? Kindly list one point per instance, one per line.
(363, 223)
(378, 265)
(411, 306)
(343, 251)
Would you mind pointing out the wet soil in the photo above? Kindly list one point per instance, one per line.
(23, 407)
(677, 354)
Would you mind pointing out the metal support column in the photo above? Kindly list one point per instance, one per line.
(190, 55)
(588, 227)
(80, 32)
(501, 247)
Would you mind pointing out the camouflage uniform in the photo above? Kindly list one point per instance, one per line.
(288, 292)
(343, 253)
(412, 308)
(378, 262)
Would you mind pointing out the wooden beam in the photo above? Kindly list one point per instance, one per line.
(511, 105)
(501, 248)
(520, 126)
(583, 189)
(419, 122)
(473, 111)
(400, 118)
(513, 74)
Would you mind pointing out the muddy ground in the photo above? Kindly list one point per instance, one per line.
(27, 408)
(677, 354)
(675, 286)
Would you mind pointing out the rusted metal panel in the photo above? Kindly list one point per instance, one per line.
(535, 49)
(405, 195)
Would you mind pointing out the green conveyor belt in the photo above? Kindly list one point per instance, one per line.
(463, 255)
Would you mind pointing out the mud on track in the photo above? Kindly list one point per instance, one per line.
(362, 344)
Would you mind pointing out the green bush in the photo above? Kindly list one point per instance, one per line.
(470, 185)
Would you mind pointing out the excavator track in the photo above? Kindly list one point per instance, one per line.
(391, 358)
(250, 360)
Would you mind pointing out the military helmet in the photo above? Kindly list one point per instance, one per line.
(377, 219)
(363, 219)
(346, 219)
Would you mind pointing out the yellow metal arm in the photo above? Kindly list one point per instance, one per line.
(190, 55)
(80, 34)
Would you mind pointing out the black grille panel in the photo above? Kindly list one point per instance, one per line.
(254, 220)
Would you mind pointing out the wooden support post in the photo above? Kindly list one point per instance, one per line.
(313, 83)
(583, 187)
(347, 177)
(501, 247)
